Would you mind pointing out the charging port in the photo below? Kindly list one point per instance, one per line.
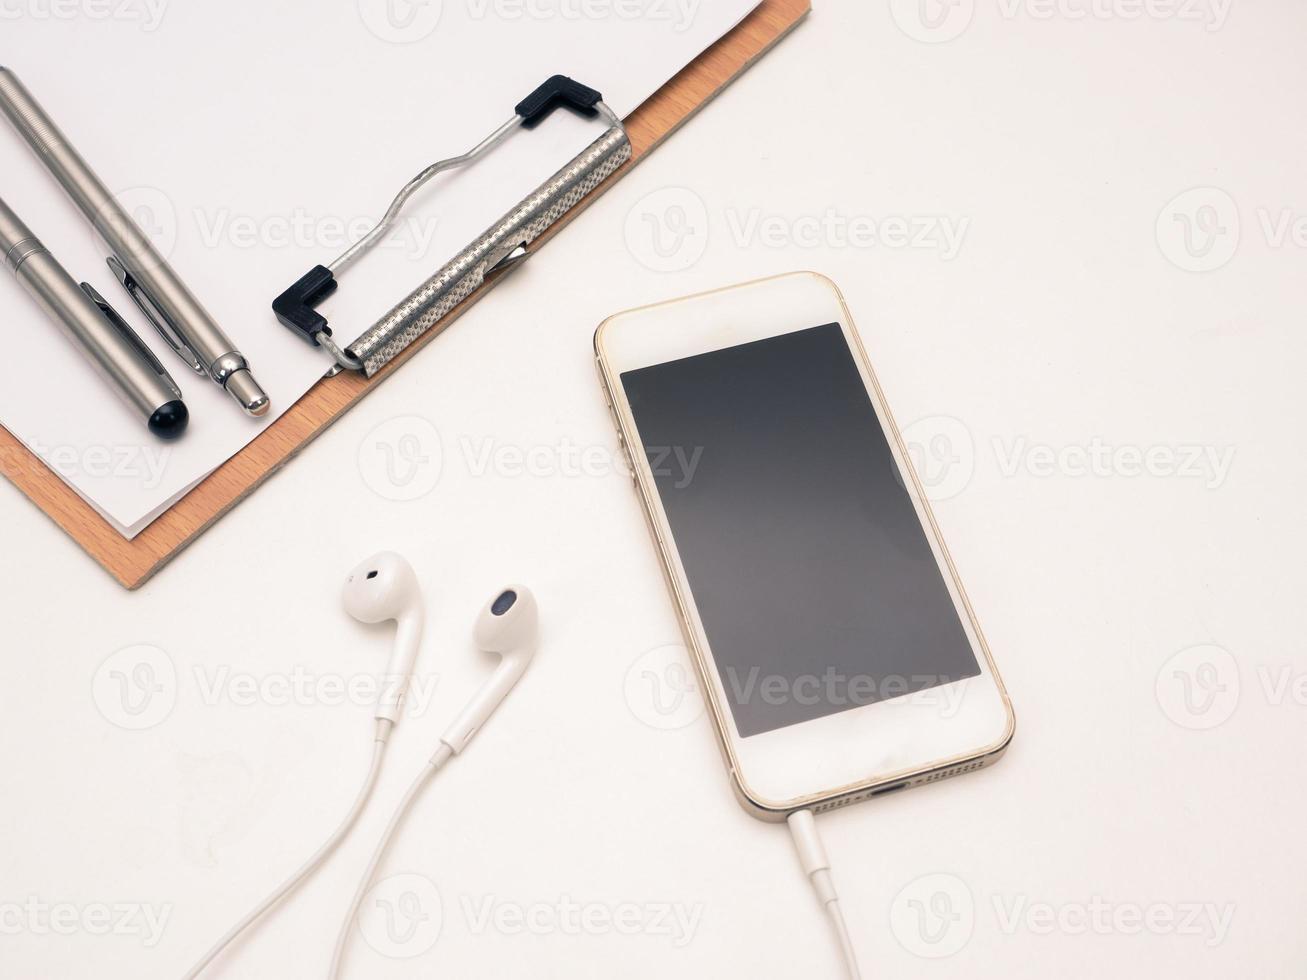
(888, 789)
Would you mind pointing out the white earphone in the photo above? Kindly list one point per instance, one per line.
(507, 625)
(383, 588)
(378, 590)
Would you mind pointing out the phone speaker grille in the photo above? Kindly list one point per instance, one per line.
(934, 777)
(842, 801)
(955, 771)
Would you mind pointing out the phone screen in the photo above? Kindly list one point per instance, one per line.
(811, 572)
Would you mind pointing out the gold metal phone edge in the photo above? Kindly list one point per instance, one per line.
(754, 804)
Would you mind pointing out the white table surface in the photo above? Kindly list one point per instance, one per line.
(1129, 832)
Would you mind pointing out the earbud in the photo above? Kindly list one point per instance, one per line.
(507, 625)
(382, 588)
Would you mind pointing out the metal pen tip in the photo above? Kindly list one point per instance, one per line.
(253, 399)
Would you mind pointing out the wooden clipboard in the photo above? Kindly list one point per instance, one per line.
(133, 562)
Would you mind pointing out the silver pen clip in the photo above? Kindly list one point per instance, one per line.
(128, 334)
(504, 259)
(156, 317)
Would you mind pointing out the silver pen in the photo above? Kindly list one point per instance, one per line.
(144, 273)
(106, 340)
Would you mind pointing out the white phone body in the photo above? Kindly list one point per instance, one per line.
(858, 752)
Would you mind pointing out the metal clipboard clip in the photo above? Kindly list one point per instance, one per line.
(497, 251)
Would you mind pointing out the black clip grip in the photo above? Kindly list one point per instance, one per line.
(294, 307)
(559, 90)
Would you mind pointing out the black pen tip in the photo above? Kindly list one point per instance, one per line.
(169, 420)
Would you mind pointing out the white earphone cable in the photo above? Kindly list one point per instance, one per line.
(812, 856)
(443, 755)
(311, 865)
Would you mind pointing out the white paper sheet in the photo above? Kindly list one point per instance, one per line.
(255, 140)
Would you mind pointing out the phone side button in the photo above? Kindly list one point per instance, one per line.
(626, 458)
(603, 387)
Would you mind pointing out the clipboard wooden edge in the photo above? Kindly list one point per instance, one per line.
(132, 562)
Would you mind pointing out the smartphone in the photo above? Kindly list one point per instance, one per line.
(834, 645)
